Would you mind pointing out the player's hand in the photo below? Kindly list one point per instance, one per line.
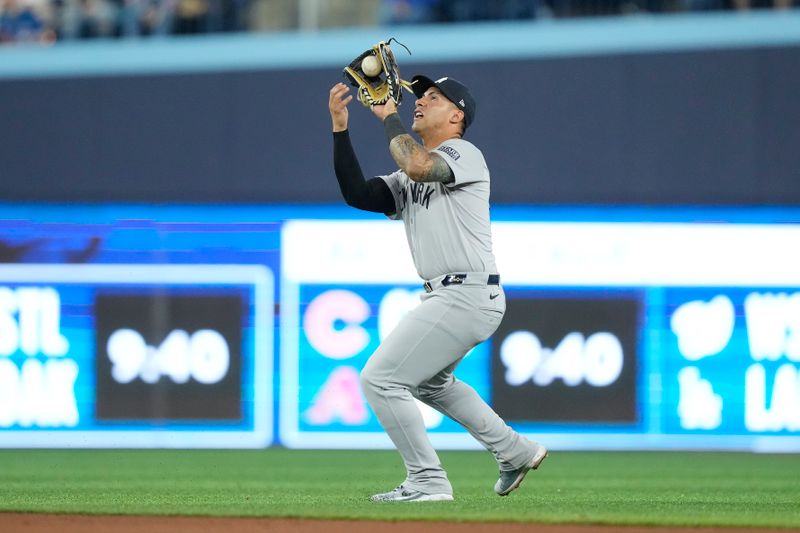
(337, 104)
(384, 110)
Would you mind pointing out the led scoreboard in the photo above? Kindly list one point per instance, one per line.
(160, 326)
(624, 335)
(119, 339)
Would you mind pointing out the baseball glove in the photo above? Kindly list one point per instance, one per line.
(376, 89)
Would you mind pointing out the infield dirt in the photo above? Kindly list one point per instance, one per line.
(62, 523)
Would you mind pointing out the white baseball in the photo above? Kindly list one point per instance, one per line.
(370, 65)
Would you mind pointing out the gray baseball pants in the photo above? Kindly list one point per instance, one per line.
(417, 360)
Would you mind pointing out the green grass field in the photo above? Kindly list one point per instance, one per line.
(646, 488)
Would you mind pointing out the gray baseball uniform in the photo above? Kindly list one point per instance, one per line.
(448, 231)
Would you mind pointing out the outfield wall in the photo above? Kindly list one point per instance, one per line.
(177, 270)
(246, 327)
(697, 110)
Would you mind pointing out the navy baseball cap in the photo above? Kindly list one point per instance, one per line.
(454, 90)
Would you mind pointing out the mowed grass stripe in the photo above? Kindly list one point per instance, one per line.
(645, 488)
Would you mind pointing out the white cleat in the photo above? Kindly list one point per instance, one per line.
(403, 494)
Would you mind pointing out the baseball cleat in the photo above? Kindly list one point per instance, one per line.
(403, 494)
(511, 479)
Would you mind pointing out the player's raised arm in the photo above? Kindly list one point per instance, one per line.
(373, 195)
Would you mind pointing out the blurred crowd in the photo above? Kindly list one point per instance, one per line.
(62, 20)
(49, 21)
(417, 11)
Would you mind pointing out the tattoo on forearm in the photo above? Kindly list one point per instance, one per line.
(403, 149)
(406, 151)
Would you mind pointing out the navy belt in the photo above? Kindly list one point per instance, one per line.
(458, 279)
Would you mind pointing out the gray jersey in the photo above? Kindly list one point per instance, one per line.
(448, 230)
(447, 225)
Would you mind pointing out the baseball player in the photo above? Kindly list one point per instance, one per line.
(441, 192)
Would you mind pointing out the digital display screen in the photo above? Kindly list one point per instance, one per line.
(567, 358)
(732, 360)
(154, 326)
(624, 335)
(169, 356)
(138, 332)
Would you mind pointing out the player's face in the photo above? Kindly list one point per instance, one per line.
(432, 111)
